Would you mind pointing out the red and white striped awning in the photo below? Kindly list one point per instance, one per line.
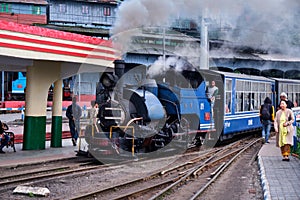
(36, 43)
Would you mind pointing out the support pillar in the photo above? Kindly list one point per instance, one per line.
(39, 78)
(56, 128)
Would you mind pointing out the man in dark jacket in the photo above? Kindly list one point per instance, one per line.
(283, 96)
(266, 114)
(74, 113)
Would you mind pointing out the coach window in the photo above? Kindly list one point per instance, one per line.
(284, 87)
(296, 95)
(290, 91)
(248, 104)
(255, 95)
(239, 95)
(262, 92)
(297, 101)
(269, 91)
(228, 96)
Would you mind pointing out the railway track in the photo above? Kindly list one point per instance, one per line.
(38, 174)
(161, 183)
(43, 175)
(87, 181)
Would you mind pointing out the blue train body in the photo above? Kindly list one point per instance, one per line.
(19, 85)
(191, 103)
(243, 114)
(141, 114)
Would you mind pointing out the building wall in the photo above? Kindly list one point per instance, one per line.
(23, 13)
(86, 14)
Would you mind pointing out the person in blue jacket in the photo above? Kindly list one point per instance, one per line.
(266, 114)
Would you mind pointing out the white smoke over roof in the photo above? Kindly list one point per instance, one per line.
(177, 64)
(268, 24)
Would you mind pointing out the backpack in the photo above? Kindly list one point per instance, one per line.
(265, 112)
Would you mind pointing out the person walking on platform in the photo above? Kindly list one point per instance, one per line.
(266, 114)
(283, 125)
(74, 113)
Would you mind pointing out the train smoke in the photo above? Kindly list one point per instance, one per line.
(271, 25)
(176, 63)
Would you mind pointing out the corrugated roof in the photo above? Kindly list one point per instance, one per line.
(153, 51)
(245, 76)
(231, 54)
(287, 80)
(279, 57)
(38, 2)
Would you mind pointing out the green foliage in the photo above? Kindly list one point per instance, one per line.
(31, 194)
(297, 151)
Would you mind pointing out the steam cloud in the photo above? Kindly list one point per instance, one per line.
(271, 25)
(176, 63)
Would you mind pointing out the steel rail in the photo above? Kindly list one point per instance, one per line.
(199, 192)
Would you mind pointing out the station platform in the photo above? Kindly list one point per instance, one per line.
(16, 126)
(21, 157)
(280, 179)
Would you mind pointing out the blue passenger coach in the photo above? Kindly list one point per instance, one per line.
(243, 96)
(291, 87)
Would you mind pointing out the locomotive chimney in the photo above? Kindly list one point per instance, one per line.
(119, 71)
(119, 68)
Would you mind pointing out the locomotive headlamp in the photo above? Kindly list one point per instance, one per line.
(108, 80)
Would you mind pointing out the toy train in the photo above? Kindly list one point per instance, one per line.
(171, 111)
(15, 87)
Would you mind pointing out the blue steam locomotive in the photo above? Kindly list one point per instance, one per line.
(170, 111)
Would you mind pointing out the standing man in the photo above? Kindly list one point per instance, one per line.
(212, 92)
(74, 113)
(266, 114)
(93, 114)
(283, 96)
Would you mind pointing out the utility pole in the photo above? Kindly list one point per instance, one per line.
(2, 87)
(204, 42)
(164, 52)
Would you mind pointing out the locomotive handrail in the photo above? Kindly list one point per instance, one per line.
(174, 104)
(125, 127)
(132, 120)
